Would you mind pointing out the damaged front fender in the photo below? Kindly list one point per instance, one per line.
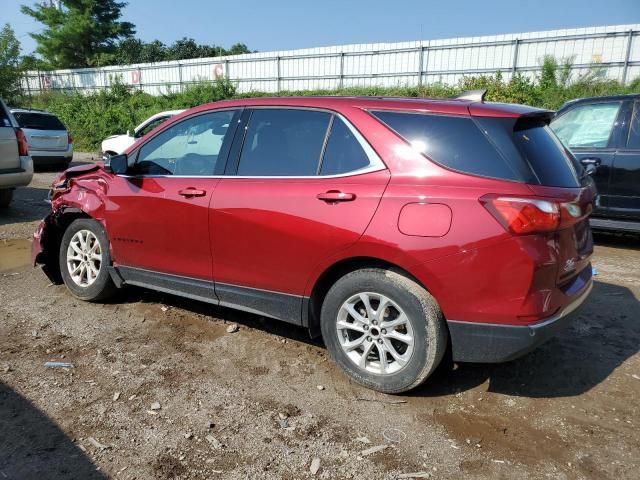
(76, 193)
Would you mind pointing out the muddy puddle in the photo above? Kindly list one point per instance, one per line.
(14, 254)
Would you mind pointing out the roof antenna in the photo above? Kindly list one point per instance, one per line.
(472, 95)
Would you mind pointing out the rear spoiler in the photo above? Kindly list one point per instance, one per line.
(543, 115)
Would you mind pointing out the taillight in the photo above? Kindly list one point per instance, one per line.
(522, 216)
(69, 139)
(23, 146)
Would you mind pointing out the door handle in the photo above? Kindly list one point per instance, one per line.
(192, 192)
(333, 196)
(590, 164)
(590, 161)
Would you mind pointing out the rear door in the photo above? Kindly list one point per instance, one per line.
(44, 132)
(588, 130)
(9, 158)
(624, 186)
(304, 186)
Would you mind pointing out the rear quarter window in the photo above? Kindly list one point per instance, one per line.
(38, 121)
(454, 142)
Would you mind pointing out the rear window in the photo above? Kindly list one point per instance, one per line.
(502, 148)
(534, 145)
(38, 121)
(454, 142)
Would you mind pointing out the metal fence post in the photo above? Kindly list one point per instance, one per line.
(420, 64)
(278, 73)
(180, 85)
(227, 62)
(341, 82)
(627, 57)
(514, 68)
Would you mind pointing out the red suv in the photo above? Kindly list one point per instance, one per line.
(395, 228)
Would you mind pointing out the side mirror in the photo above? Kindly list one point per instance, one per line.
(116, 164)
(129, 133)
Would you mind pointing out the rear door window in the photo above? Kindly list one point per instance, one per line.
(343, 152)
(38, 121)
(283, 142)
(587, 126)
(455, 142)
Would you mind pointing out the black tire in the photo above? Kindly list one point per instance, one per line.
(102, 287)
(6, 195)
(425, 318)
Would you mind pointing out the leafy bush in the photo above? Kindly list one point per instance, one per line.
(93, 117)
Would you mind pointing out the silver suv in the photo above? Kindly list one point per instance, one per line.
(50, 144)
(16, 166)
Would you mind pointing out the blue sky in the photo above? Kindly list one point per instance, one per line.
(287, 24)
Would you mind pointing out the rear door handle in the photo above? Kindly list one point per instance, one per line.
(192, 192)
(336, 196)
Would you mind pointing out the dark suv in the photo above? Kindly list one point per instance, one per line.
(394, 228)
(604, 134)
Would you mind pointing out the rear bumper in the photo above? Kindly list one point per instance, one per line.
(494, 343)
(18, 177)
(51, 158)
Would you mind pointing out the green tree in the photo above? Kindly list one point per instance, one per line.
(80, 33)
(238, 49)
(10, 73)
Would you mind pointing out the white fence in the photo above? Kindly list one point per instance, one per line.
(614, 49)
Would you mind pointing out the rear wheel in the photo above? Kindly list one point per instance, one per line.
(84, 259)
(6, 195)
(383, 329)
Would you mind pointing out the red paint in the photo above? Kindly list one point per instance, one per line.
(279, 235)
(425, 219)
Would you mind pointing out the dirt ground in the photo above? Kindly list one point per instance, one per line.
(160, 390)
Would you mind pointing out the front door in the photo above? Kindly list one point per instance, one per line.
(305, 187)
(157, 216)
(624, 187)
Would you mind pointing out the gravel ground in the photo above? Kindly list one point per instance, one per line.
(161, 389)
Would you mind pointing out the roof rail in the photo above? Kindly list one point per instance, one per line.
(472, 95)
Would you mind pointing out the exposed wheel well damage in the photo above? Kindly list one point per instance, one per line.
(332, 274)
(56, 224)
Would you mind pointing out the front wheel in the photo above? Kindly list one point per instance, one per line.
(383, 329)
(84, 259)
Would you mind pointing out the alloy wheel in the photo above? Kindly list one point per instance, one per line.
(84, 258)
(375, 333)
